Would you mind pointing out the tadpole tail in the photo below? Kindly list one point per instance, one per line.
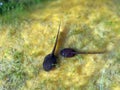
(92, 52)
(56, 39)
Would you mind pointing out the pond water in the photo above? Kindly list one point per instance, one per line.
(92, 25)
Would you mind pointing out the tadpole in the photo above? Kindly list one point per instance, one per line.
(50, 60)
(70, 52)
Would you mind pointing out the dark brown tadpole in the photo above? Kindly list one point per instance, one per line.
(69, 52)
(51, 60)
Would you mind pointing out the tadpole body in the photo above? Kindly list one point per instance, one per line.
(51, 60)
(70, 52)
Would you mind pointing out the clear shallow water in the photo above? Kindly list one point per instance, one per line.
(91, 25)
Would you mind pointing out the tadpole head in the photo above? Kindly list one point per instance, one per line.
(49, 62)
(68, 52)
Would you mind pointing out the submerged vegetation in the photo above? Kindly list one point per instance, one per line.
(8, 5)
(15, 71)
(28, 33)
(12, 10)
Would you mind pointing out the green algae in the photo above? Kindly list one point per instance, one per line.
(85, 26)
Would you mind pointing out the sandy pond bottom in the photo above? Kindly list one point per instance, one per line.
(86, 25)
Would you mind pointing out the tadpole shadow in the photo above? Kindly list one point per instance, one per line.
(62, 39)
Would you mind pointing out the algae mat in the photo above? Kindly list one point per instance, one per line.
(86, 25)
